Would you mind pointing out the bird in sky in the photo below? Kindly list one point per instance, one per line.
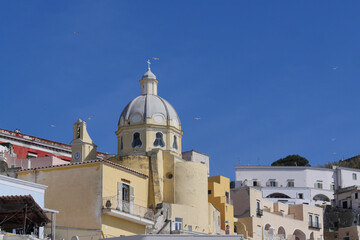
(334, 68)
(75, 33)
(89, 118)
(197, 118)
(333, 139)
(52, 125)
(156, 58)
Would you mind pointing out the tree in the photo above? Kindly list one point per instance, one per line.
(291, 160)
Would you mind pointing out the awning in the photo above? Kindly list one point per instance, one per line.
(20, 211)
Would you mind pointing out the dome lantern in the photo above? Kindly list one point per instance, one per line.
(149, 82)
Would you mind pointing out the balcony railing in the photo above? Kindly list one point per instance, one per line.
(315, 225)
(259, 212)
(127, 207)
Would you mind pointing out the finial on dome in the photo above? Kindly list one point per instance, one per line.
(149, 74)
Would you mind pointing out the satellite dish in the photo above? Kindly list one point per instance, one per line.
(75, 238)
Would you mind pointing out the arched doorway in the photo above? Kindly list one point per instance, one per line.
(267, 227)
(281, 233)
(277, 195)
(299, 235)
(321, 197)
(312, 235)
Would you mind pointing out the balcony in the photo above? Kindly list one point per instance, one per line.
(314, 225)
(259, 212)
(127, 210)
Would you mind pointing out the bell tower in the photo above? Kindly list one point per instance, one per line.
(83, 148)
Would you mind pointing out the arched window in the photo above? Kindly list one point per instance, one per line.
(121, 144)
(175, 145)
(136, 140)
(159, 140)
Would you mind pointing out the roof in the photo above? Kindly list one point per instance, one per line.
(16, 181)
(37, 140)
(348, 189)
(87, 162)
(14, 208)
(284, 167)
(148, 105)
(149, 74)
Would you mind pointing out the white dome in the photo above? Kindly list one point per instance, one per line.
(147, 106)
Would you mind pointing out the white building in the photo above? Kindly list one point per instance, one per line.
(14, 189)
(296, 185)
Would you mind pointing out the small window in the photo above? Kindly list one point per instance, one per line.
(227, 195)
(126, 193)
(159, 140)
(136, 140)
(175, 145)
(31, 155)
(254, 183)
(301, 196)
(354, 176)
(272, 183)
(209, 191)
(121, 144)
(190, 228)
(344, 204)
(318, 185)
(291, 183)
(258, 207)
(317, 224)
(178, 224)
(310, 220)
(356, 195)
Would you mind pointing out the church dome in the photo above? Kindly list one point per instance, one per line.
(148, 122)
(147, 106)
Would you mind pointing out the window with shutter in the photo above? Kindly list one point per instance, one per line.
(119, 196)
(132, 200)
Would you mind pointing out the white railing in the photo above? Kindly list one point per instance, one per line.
(127, 207)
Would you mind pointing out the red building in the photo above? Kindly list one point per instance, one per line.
(26, 146)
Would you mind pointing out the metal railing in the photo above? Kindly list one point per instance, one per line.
(259, 212)
(127, 207)
(314, 225)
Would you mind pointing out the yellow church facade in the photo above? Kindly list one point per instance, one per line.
(147, 188)
(149, 141)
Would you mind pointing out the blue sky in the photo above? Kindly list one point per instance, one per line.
(267, 78)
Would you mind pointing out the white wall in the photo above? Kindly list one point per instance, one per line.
(13, 186)
(303, 176)
(346, 177)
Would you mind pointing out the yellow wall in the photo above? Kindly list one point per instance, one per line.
(112, 175)
(191, 196)
(77, 192)
(218, 185)
(115, 227)
(74, 191)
